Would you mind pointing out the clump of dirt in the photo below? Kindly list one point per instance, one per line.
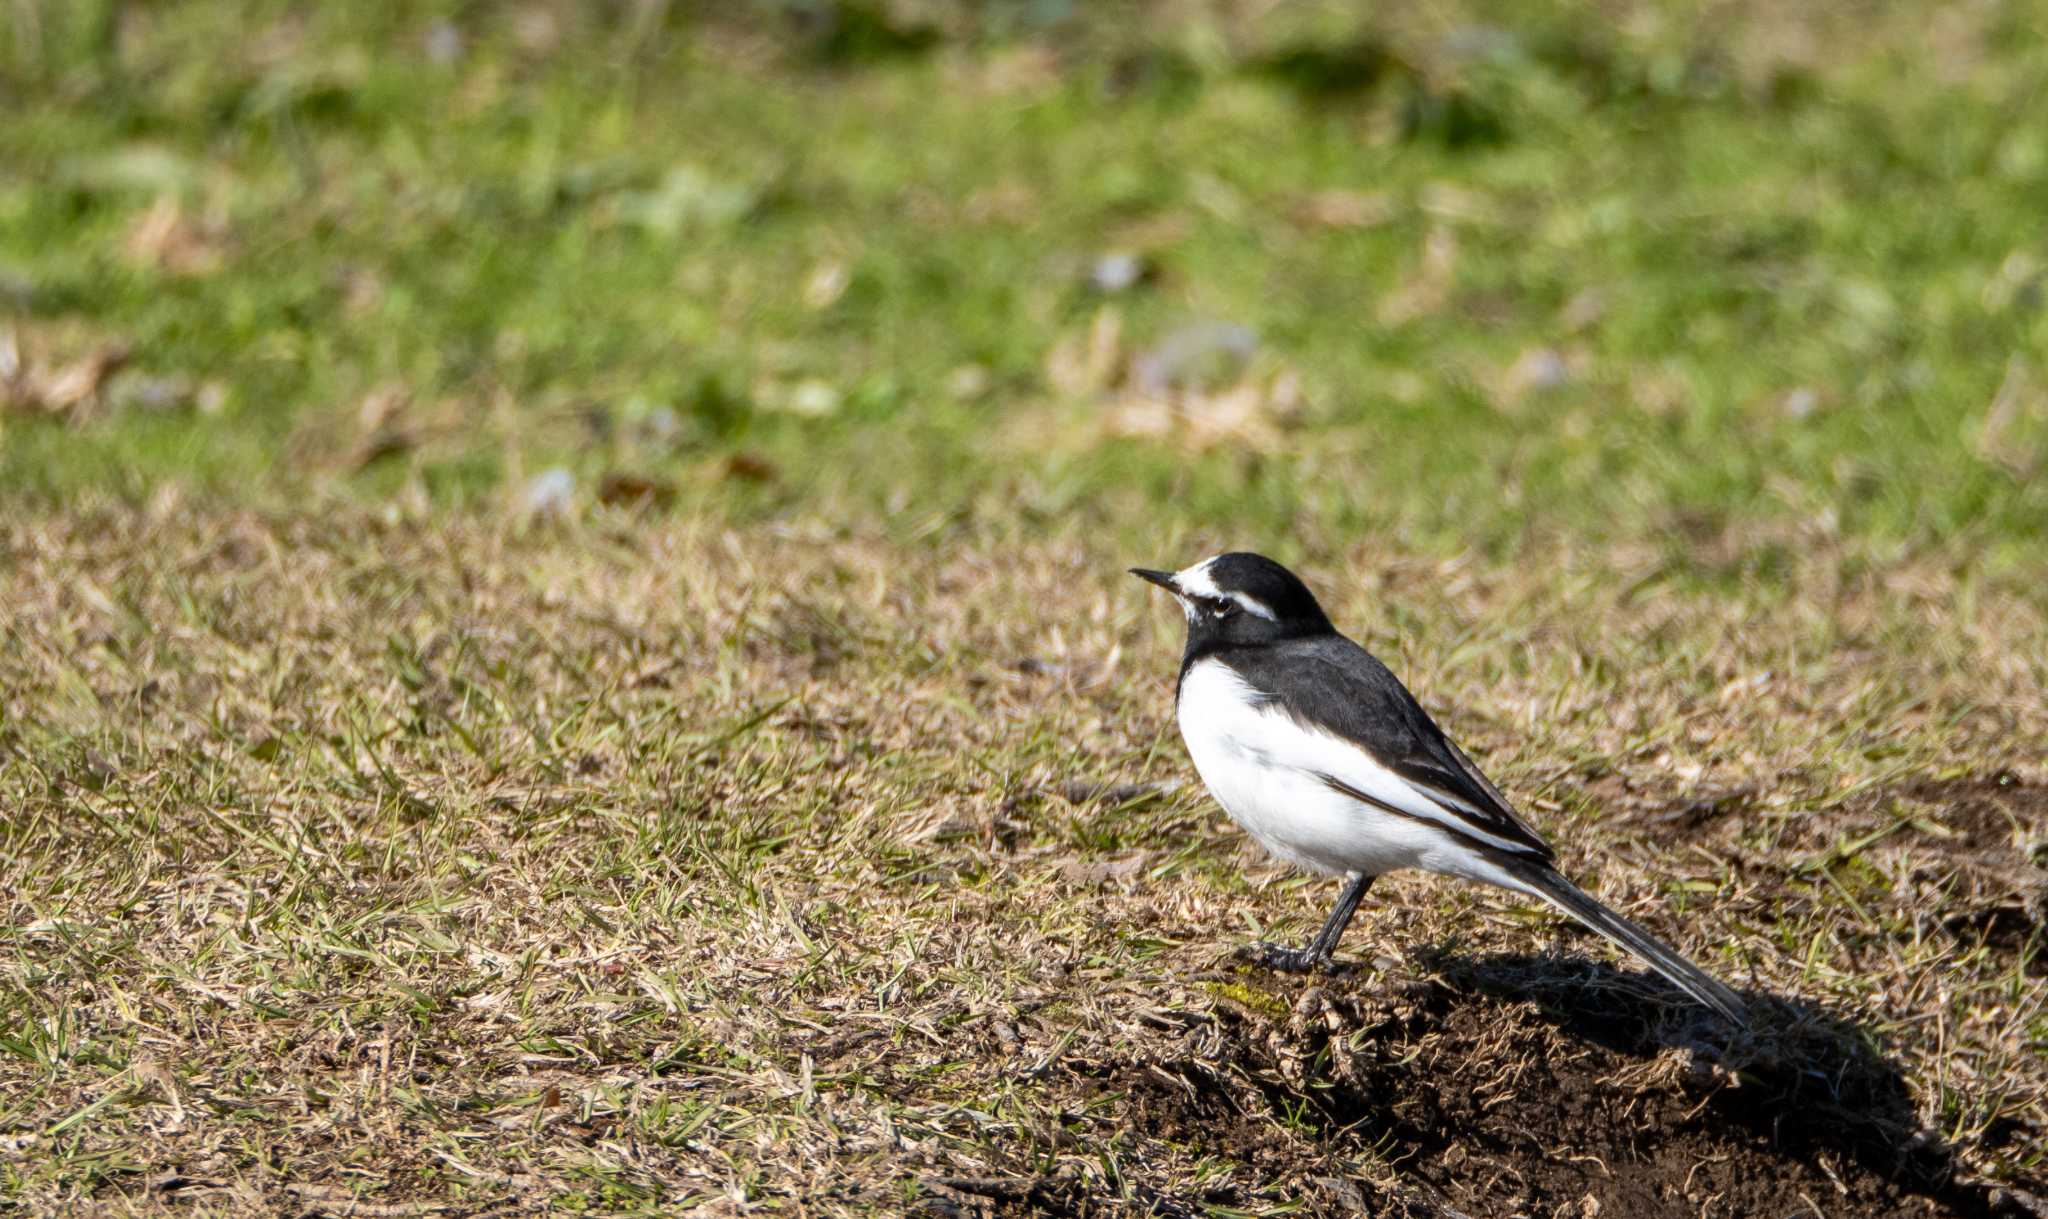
(1691, 817)
(1596, 1099)
(1993, 814)
(1993, 832)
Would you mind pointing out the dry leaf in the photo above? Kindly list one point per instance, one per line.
(1537, 370)
(1079, 366)
(1008, 202)
(1078, 871)
(826, 284)
(374, 448)
(1027, 70)
(1427, 289)
(74, 389)
(1194, 356)
(2009, 437)
(750, 467)
(1345, 209)
(968, 383)
(165, 239)
(1153, 233)
(1583, 310)
(381, 427)
(1460, 204)
(1252, 413)
(634, 490)
(1661, 391)
(382, 407)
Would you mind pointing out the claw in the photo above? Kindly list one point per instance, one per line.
(1282, 959)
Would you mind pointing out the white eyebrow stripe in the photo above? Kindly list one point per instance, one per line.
(1253, 606)
(1196, 582)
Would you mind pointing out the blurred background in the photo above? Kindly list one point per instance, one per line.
(1719, 279)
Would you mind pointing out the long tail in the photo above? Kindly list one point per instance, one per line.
(1546, 883)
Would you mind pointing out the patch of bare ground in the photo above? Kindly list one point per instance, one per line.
(635, 866)
(1594, 1099)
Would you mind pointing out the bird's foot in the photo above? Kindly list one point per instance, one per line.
(1283, 959)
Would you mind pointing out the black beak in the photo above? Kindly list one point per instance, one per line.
(1163, 579)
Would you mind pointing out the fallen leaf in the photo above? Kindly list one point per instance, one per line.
(165, 238)
(1029, 70)
(74, 389)
(155, 395)
(376, 447)
(1537, 370)
(812, 398)
(381, 427)
(1087, 364)
(968, 382)
(150, 170)
(685, 199)
(1100, 871)
(1345, 209)
(2018, 286)
(1460, 204)
(1193, 356)
(537, 29)
(1801, 402)
(634, 490)
(1583, 310)
(750, 467)
(443, 43)
(1009, 202)
(825, 285)
(1251, 413)
(382, 407)
(2010, 436)
(1428, 287)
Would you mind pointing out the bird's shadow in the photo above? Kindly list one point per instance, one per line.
(1807, 1080)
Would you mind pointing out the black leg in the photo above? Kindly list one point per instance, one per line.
(1317, 954)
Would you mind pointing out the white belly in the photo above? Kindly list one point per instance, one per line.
(1264, 769)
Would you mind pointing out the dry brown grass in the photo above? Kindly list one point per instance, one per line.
(371, 869)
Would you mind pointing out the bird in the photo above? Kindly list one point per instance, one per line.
(1319, 752)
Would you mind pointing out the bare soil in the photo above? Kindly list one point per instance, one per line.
(1597, 1098)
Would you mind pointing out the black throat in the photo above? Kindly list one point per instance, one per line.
(1242, 651)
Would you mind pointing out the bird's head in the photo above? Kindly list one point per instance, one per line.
(1241, 598)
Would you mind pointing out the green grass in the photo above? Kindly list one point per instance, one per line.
(619, 219)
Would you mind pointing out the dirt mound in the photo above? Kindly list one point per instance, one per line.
(1444, 1096)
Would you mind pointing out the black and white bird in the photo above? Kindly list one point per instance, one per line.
(1325, 758)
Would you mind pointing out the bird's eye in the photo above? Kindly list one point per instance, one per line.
(1223, 607)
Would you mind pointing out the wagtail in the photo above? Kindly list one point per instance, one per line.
(1325, 758)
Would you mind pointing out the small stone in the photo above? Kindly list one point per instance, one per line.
(967, 382)
(548, 493)
(1118, 272)
(443, 43)
(813, 398)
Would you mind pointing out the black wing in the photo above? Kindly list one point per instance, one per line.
(1335, 685)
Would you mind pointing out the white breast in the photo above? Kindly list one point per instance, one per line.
(1266, 769)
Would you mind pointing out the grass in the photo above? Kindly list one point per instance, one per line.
(1669, 271)
(565, 647)
(632, 865)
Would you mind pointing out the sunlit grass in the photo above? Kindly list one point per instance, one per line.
(1697, 276)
